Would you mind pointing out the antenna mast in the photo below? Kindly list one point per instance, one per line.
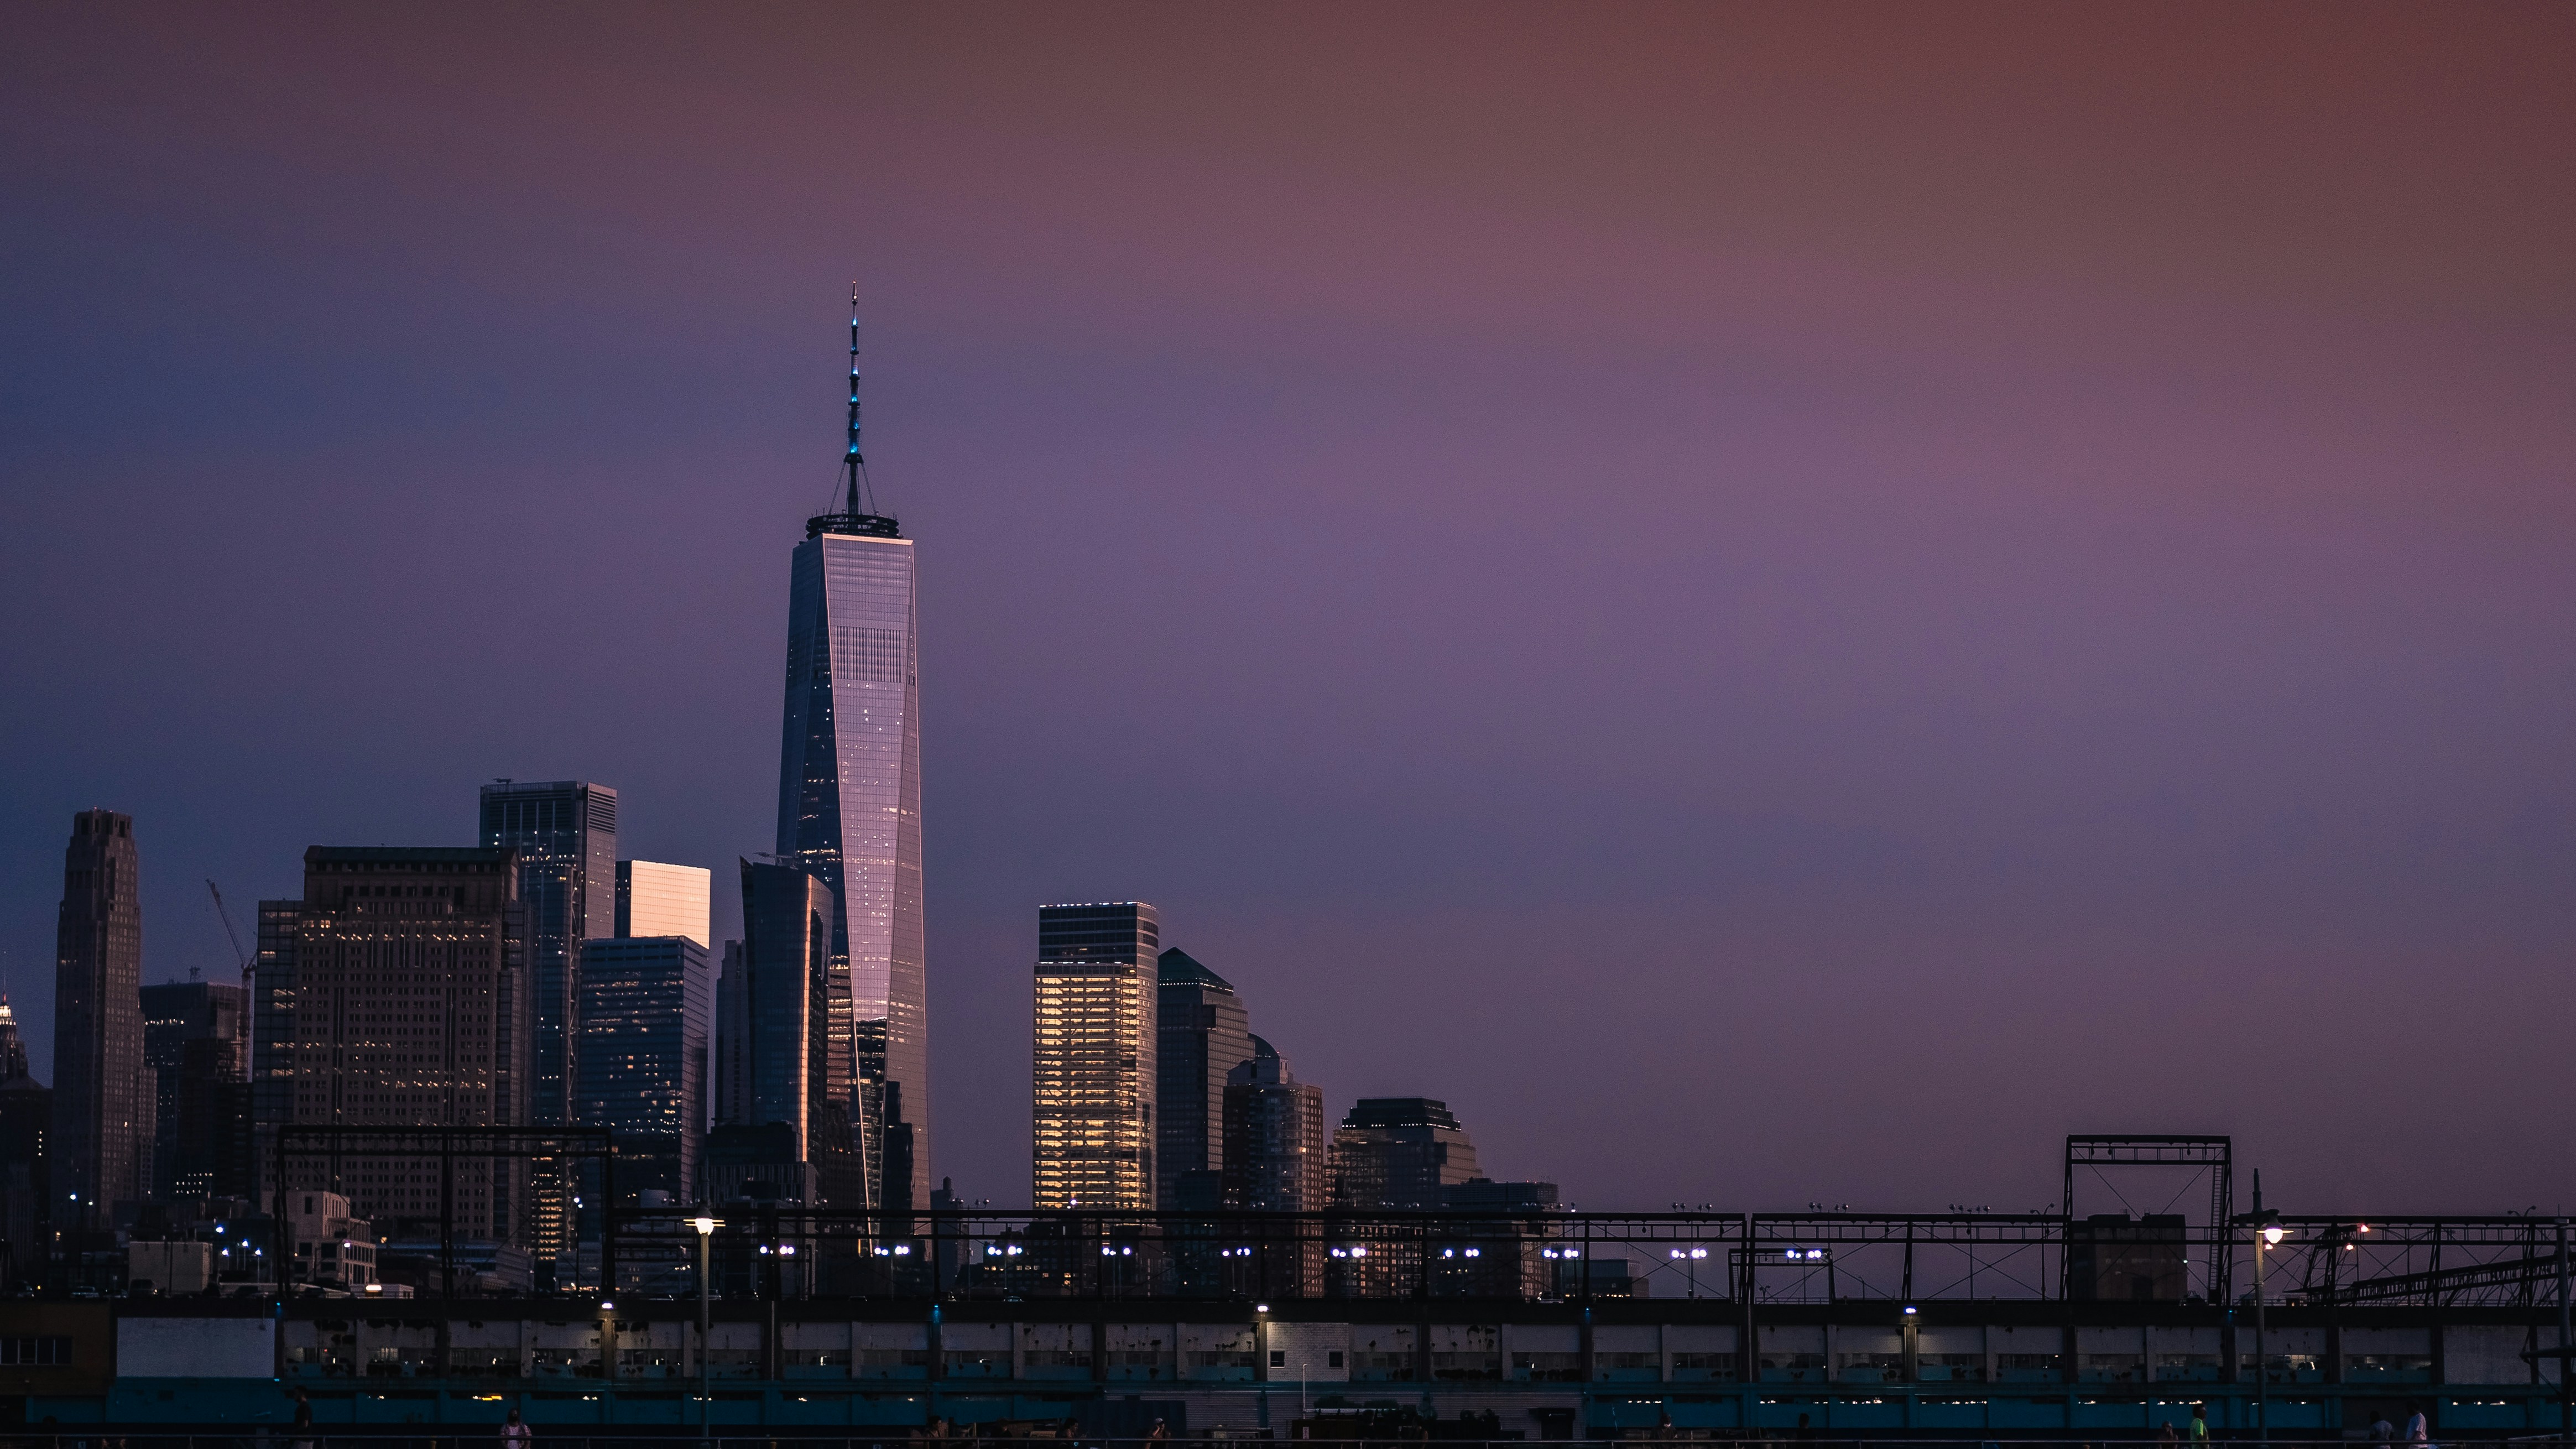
(858, 515)
(854, 465)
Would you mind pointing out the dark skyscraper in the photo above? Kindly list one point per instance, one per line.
(1201, 1033)
(196, 1040)
(646, 1005)
(565, 833)
(788, 1113)
(849, 807)
(1274, 1138)
(102, 1139)
(1092, 1061)
(26, 1119)
(1399, 1152)
(398, 1000)
(1274, 1162)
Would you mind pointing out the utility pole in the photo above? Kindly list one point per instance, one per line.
(2566, 1321)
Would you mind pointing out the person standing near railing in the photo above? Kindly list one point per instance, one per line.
(514, 1433)
(303, 1419)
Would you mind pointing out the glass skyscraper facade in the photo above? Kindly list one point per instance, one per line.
(1093, 1073)
(647, 1007)
(654, 899)
(1202, 1033)
(565, 833)
(849, 812)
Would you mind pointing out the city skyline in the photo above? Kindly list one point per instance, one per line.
(1924, 560)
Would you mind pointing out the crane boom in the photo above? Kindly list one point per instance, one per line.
(230, 934)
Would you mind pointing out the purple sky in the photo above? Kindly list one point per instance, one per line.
(1779, 604)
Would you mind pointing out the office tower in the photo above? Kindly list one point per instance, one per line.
(102, 1137)
(13, 1048)
(1398, 1153)
(732, 1089)
(397, 992)
(26, 1117)
(654, 899)
(1273, 1130)
(272, 1041)
(565, 833)
(565, 836)
(1274, 1138)
(196, 1040)
(1094, 1073)
(646, 1005)
(849, 807)
(1201, 1033)
(789, 1119)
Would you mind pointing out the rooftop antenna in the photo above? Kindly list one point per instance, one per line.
(854, 465)
(858, 513)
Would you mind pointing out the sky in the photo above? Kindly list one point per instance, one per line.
(1778, 604)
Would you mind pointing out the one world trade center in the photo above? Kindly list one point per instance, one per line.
(849, 813)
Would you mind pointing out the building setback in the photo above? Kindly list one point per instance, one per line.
(647, 1003)
(849, 810)
(1093, 1072)
(404, 1004)
(1201, 1033)
(102, 1137)
(196, 1040)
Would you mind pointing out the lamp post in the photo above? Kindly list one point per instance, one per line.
(2267, 1234)
(706, 1229)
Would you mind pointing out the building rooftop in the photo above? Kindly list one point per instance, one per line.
(1177, 967)
(1399, 1112)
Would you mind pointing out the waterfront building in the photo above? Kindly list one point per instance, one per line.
(399, 1000)
(1201, 1033)
(102, 1137)
(1094, 1073)
(849, 808)
(647, 1003)
(196, 1041)
(654, 899)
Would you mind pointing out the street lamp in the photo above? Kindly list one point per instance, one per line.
(2268, 1233)
(1691, 1260)
(706, 1229)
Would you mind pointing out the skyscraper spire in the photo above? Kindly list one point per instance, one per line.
(854, 465)
(858, 515)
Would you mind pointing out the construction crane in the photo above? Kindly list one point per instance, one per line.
(230, 934)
